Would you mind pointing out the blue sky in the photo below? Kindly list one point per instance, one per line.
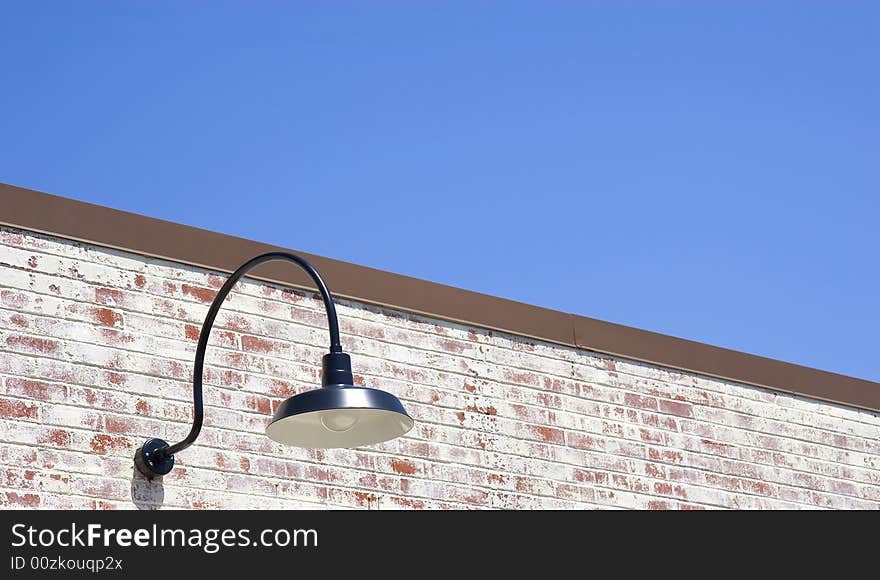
(709, 170)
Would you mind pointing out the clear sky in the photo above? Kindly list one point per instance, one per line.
(709, 170)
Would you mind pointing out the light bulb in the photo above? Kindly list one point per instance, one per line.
(339, 421)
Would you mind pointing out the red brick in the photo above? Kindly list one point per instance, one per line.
(116, 378)
(118, 425)
(13, 299)
(582, 441)
(453, 346)
(260, 404)
(205, 295)
(256, 344)
(633, 400)
(757, 487)
(403, 467)
(676, 408)
(485, 410)
(16, 409)
(663, 488)
(665, 455)
(108, 317)
(192, 332)
(20, 500)
(715, 447)
(32, 344)
(19, 320)
(56, 438)
(650, 436)
(523, 378)
(34, 389)
(110, 296)
(548, 434)
(102, 443)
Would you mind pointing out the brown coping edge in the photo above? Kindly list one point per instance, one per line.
(84, 222)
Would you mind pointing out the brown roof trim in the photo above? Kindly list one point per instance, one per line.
(103, 226)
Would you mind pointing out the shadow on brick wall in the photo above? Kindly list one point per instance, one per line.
(146, 494)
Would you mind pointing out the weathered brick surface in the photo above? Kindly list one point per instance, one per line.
(96, 351)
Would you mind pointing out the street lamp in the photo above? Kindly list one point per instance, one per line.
(337, 415)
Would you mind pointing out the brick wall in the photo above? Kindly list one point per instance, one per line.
(96, 350)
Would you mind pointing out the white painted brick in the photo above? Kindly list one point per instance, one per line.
(96, 351)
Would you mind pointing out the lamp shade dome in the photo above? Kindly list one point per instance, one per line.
(339, 416)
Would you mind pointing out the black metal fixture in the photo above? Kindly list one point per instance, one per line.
(337, 415)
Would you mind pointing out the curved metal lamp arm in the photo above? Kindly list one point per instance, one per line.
(198, 368)
(156, 453)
